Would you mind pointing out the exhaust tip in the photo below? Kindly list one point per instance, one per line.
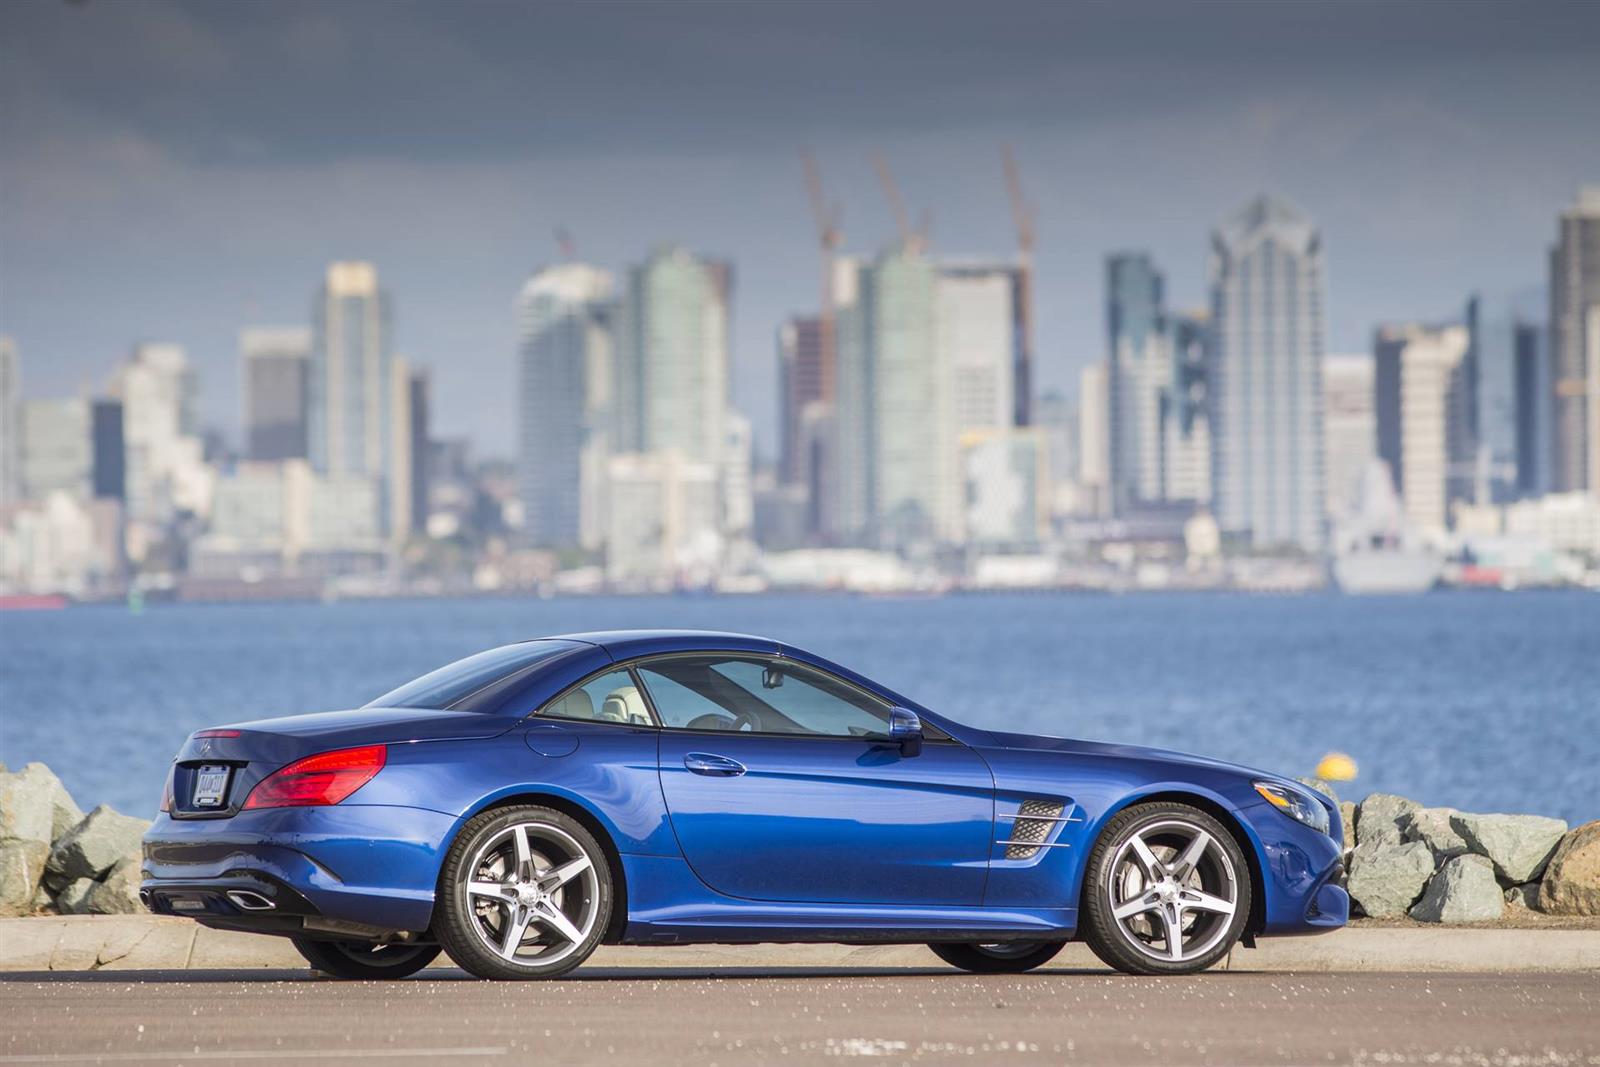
(250, 900)
(147, 898)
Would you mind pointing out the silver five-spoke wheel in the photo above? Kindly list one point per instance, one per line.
(1170, 891)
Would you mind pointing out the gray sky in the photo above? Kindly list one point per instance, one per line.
(175, 171)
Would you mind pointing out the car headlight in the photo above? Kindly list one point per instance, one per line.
(1295, 803)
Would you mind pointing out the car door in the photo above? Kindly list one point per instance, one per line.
(781, 785)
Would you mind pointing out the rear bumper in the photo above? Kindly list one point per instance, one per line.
(362, 866)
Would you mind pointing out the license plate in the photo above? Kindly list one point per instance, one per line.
(210, 786)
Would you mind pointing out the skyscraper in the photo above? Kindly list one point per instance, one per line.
(672, 381)
(110, 450)
(563, 322)
(56, 454)
(1139, 364)
(420, 389)
(166, 471)
(1094, 438)
(800, 353)
(1349, 428)
(10, 422)
(1266, 294)
(1420, 374)
(354, 425)
(275, 375)
(1574, 291)
(1532, 402)
(1186, 411)
(976, 318)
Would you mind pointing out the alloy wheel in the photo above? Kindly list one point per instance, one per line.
(1172, 890)
(533, 893)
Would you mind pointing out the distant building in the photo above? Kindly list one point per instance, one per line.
(662, 514)
(61, 543)
(1574, 291)
(976, 309)
(800, 352)
(737, 477)
(355, 391)
(1139, 361)
(284, 519)
(563, 400)
(166, 472)
(1057, 420)
(1267, 295)
(1186, 412)
(10, 421)
(1349, 428)
(1420, 374)
(56, 454)
(1532, 404)
(1007, 499)
(1094, 439)
(109, 450)
(420, 386)
(276, 363)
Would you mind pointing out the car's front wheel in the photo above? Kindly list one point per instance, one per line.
(364, 959)
(1000, 957)
(1167, 891)
(525, 893)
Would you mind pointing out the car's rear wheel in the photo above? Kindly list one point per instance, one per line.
(525, 893)
(1167, 891)
(364, 959)
(1000, 957)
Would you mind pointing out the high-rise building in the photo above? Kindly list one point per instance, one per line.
(1574, 292)
(1349, 428)
(56, 454)
(1139, 360)
(897, 463)
(1186, 411)
(1007, 481)
(355, 394)
(1532, 404)
(565, 350)
(10, 422)
(276, 363)
(1267, 293)
(662, 517)
(420, 387)
(976, 309)
(1094, 439)
(800, 351)
(1419, 375)
(109, 450)
(672, 381)
(166, 473)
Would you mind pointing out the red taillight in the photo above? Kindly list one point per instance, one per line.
(326, 778)
(216, 733)
(166, 791)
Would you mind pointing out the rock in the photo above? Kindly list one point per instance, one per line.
(1571, 884)
(25, 804)
(74, 900)
(21, 865)
(1464, 891)
(1378, 818)
(43, 903)
(1347, 823)
(1385, 879)
(1322, 787)
(94, 846)
(64, 811)
(1432, 827)
(1518, 845)
(1524, 896)
(118, 894)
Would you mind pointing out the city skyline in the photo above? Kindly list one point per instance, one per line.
(246, 199)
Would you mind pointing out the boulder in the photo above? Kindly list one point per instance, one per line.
(1433, 828)
(1518, 845)
(1322, 787)
(64, 811)
(1378, 818)
(1347, 823)
(94, 846)
(25, 804)
(1523, 896)
(1385, 879)
(21, 865)
(1464, 891)
(118, 894)
(74, 900)
(1571, 884)
(43, 904)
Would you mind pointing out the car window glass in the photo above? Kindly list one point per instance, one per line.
(759, 695)
(453, 685)
(612, 697)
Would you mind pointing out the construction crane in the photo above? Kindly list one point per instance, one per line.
(914, 238)
(1022, 214)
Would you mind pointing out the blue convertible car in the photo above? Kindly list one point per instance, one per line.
(519, 807)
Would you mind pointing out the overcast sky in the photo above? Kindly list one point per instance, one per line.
(174, 171)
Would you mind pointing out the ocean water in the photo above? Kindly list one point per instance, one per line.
(1484, 702)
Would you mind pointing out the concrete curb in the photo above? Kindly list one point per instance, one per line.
(75, 943)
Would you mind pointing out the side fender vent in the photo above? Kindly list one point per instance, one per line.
(1033, 824)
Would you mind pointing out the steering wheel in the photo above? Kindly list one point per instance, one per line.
(740, 720)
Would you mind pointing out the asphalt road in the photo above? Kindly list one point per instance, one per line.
(748, 1015)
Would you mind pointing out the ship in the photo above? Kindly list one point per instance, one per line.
(1375, 551)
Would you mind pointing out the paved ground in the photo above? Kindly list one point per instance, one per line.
(769, 1015)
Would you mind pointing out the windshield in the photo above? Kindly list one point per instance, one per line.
(471, 684)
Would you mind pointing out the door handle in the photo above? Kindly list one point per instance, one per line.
(713, 765)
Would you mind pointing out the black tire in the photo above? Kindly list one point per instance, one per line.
(1011, 957)
(1219, 871)
(466, 921)
(365, 960)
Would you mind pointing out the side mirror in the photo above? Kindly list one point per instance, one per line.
(906, 729)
